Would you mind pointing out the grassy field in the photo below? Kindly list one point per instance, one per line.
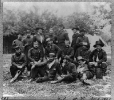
(24, 89)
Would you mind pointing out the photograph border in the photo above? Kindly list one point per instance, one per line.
(1, 38)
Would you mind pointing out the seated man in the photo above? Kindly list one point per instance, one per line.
(35, 61)
(52, 48)
(84, 52)
(98, 58)
(18, 62)
(68, 51)
(53, 70)
(83, 71)
(69, 72)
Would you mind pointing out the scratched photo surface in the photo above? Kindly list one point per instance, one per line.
(44, 37)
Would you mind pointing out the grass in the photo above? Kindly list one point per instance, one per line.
(24, 89)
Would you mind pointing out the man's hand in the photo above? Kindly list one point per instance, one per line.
(96, 64)
(84, 43)
(59, 78)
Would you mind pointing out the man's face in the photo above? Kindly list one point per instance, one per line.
(80, 62)
(40, 31)
(82, 33)
(50, 42)
(64, 61)
(50, 31)
(60, 28)
(18, 51)
(98, 47)
(20, 37)
(36, 45)
(28, 35)
(74, 30)
(67, 43)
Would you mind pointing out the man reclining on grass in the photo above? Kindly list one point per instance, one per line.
(18, 62)
(53, 69)
(68, 70)
(83, 71)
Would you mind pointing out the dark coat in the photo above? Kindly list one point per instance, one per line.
(69, 51)
(27, 43)
(79, 44)
(74, 39)
(85, 53)
(102, 56)
(60, 38)
(35, 55)
(18, 60)
(54, 70)
(52, 49)
(82, 39)
(69, 68)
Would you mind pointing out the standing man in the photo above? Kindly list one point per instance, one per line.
(82, 42)
(61, 37)
(27, 43)
(98, 58)
(18, 42)
(18, 63)
(39, 37)
(52, 48)
(74, 38)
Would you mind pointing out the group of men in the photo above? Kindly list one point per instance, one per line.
(53, 58)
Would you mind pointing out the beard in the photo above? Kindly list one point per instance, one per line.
(18, 54)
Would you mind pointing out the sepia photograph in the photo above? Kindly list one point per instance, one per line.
(57, 50)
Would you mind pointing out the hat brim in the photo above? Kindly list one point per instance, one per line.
(39, 28)
(98, 44)
(75, 28)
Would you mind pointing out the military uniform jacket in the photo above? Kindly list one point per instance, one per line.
(102, 56)
(74, 39)
(69, 68)
(35, 54)
(69, 51)
(18, 60)
(60, 39)
(52, 49)
(54, 69)
(85, 53)
(82, 39)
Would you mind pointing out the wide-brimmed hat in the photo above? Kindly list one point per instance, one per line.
(75, 28)
(80, 58)
(99, 43)
(52, 55)
(49, 39)
(39, 27)
(82, 30)
(61, 25)
(16, 47)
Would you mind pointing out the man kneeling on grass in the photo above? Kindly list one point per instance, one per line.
(83, 71)
(53, 69)
(69, 72)
(18, 62)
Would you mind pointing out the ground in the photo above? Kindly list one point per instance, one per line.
(60, 91)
